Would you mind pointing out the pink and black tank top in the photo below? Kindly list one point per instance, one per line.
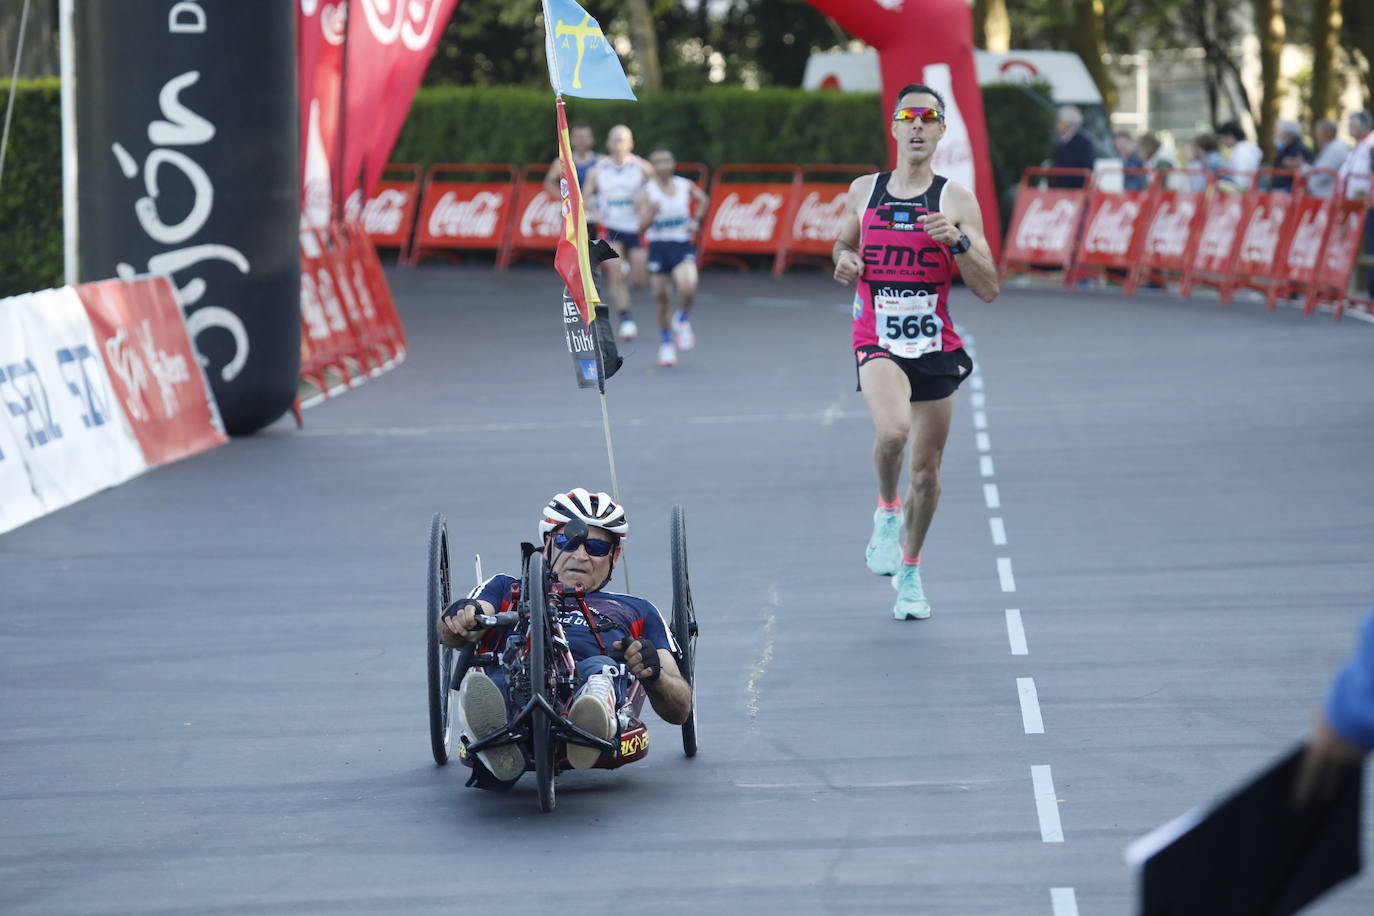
(900, 301)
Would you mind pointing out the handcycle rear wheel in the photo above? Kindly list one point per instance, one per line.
(439, 658)
(542, 723)
(684, 621)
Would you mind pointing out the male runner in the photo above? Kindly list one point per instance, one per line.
(665, 218)
(615, 181)
(902, 235)
(582, 141)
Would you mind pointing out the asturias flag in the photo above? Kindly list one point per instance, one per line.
(571, 259)
(582, 62)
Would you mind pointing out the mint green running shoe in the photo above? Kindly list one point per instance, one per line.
(911, 597)
(884, 553)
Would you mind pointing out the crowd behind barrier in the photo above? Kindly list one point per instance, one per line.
(1261, 231)
(98, 383)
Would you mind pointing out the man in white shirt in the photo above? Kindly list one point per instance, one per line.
(1356, 173)
(1332, 152)
(1244, 155)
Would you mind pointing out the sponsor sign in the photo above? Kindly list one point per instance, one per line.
(1270, 221)
(65, 425)
(1114, 228)
(389, 213)
(1170, 230)
(152, 367)
(538, 218)
(464, 214)
(1342, 245)
(1044, 226)
(816, 222)
(1216, 244)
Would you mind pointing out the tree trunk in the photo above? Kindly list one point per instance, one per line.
(1088, 38)
(1326, 34)
(1269, 29)
(644, 40)
(991, 25)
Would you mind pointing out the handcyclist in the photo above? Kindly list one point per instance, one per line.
(618, 637)
(615, 181)
(902, 236)
(665, 217)
(584, 156)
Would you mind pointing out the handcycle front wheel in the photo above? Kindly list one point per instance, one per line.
(536, 594)
(684, 621)
(439, 657)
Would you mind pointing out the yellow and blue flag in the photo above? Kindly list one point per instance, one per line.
(581, 60)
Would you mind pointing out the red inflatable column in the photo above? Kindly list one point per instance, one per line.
(931, 42)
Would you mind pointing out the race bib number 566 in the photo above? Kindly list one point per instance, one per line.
(907, 323)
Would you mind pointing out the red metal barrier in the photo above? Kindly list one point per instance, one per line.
(1045, 223)
(1299, 251)
(810, 233)
(458, 215)
(1114, 229)
(1212, 261)
(389, 215)
(1344, 242)
(537, 220)
(1269, 223)
(1172, 227)
(749, 217)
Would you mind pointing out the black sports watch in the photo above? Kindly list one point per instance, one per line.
(962, 245)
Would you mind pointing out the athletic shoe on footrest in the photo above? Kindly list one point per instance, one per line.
(482, 710)
(593, 711)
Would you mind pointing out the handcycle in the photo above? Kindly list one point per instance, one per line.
(539, 669)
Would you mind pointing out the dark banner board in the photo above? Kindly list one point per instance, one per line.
(187, 165)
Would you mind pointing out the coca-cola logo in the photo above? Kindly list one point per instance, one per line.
(411, 21)
(1112, 227)
(138, 363)
(818, 218)
(754, 221)
(1047, 228)
(543, 217)
(1340, 247)
(1307, 240)
(1168, 235)
(385, 213)
(473, 218)
(1262, 235)
(1220, 230)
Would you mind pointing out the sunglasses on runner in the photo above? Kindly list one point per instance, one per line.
(595, 547)
(928, 115)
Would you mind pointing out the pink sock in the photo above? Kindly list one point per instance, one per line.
(912, 561)
(893, 506)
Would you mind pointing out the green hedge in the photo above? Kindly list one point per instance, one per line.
(31, 189)
(465, 124)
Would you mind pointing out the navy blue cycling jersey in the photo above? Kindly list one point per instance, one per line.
(633, 618)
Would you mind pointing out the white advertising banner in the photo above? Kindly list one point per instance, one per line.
(65, 426)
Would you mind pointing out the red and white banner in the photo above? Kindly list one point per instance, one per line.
(152, 367)
(816, 223)
(750, 217)
(1044, 227)
(1210, 262)
(464, 214)
(320, 28)
(1267, 225)
(389, 214)
(1342, 247)
(1113, 231)
(1169, 233)
(390, 43)
(538, 218)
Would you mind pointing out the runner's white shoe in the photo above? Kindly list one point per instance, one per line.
(911, 597)
(593, 711)
(682, 332)
(667, 354)
(482, 710)
(884, 553)
(628, 329)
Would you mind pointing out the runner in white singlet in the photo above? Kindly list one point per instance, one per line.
(902, 235)
(665, 218)
(614, 182)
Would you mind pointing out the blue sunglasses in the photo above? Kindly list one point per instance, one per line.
(595, 547)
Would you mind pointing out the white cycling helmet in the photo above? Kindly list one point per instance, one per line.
(593, 508)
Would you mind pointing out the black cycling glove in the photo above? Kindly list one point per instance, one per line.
(453, 609)
(648, 657)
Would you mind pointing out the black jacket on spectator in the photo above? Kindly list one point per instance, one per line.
(1076, 152)
(1291, 148)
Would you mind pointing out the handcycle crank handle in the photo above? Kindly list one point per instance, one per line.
(503, 621)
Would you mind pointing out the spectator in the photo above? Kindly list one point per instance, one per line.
(1205, 158)
(1290, 153)
(1245, 156)
(1130, 159)
(1156, 156)
(1332, 152)
(1073, 149)
(1356, 172)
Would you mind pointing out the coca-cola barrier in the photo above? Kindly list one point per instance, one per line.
(349, 324)
(458, 212)
(1198, 229)
(749, 217)
(388, 216)
(187, 166)
(817, 213)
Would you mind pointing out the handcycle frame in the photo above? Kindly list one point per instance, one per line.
(533, 652)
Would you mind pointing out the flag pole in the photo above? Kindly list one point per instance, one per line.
(550, 48)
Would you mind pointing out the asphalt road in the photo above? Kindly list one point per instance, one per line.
(212, 698)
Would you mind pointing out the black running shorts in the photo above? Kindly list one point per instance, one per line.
(933, 377)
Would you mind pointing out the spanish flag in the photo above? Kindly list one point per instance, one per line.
(571, 260)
